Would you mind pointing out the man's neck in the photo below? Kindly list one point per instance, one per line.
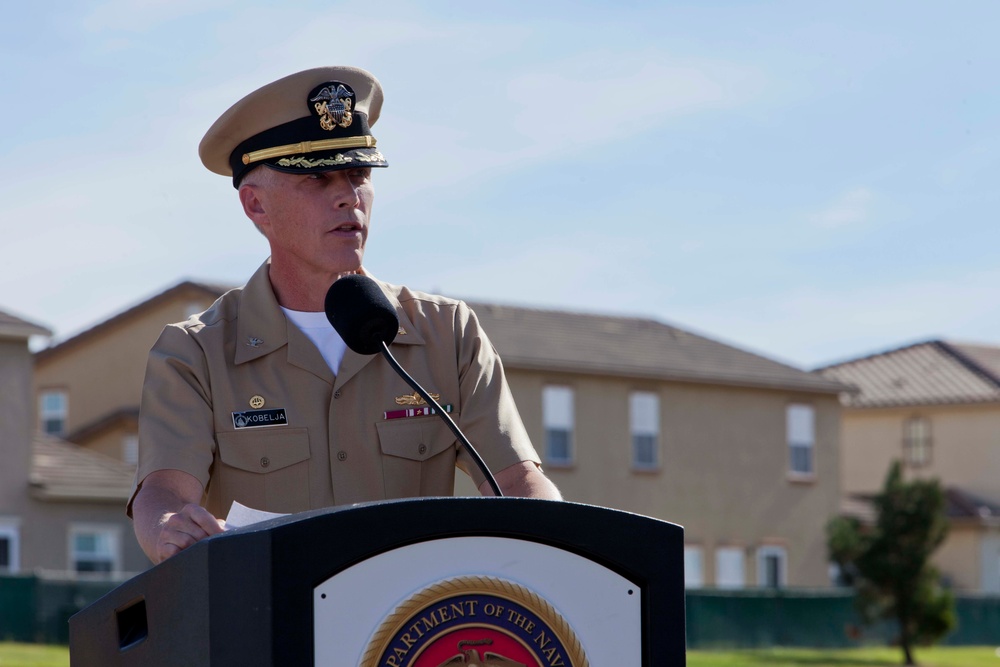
(297, 291)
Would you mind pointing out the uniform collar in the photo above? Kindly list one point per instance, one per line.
(262, 328)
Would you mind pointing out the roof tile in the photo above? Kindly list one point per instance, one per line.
(928, 373)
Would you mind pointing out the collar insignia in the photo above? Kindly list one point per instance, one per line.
(253, 341)
(415, 399)
(333, 104)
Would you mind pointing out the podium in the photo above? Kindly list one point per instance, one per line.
(409, 583)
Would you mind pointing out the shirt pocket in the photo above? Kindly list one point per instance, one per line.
(265, 469)
(418, 457)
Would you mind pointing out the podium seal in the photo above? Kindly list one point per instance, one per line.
(474, 620)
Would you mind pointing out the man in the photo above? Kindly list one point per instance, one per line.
(257, 399)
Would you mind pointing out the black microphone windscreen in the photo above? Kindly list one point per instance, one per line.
(361, 314)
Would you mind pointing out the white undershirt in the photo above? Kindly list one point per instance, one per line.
(319, 330)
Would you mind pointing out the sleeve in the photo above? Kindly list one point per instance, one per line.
(176, 429)
(489, 416)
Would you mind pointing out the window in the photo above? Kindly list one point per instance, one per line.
(694, 573)
(801, 431)
(130, 449)
(95, 549)
(917, 441)
(10, 547)
(771, 566)
(52, 411)
(730, 570)
(557, 414)
(644, 418)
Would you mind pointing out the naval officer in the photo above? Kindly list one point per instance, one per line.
(258, 400)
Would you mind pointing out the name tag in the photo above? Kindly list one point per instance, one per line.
(259, 418)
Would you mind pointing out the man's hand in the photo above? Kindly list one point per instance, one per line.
(523, 480)
(179, 530)
(167, 515)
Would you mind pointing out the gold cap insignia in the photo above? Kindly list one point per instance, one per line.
(333, 105)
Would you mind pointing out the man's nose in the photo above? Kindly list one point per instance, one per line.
(345, 191)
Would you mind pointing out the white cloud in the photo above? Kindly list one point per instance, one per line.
(851, 208)
(598, 96)
(814, 326)
(592, 106)
(138, 16)
(587, 272)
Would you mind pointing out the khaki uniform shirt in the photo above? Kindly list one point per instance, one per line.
(242, 400)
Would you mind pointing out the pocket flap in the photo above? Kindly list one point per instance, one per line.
(264, 450)
(417, 439)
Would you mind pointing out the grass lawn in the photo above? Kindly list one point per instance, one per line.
(963, 656)
(34, 655)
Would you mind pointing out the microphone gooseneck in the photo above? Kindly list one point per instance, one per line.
(367, 322)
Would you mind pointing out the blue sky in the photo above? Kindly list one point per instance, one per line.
(808, 181)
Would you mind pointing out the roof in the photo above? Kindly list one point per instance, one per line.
(127, 415)
(212, 290)
(960, 505)
(529, 338)
(63, 471)
(554, 340)
(12, 326)
(929, 373)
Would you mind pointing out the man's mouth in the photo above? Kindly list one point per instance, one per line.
(347, 227)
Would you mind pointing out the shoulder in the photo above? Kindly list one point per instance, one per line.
(215, 319)
(224, 311)
(419, 305)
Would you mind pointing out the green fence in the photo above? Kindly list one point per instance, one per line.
(818, 619)
(36, 609)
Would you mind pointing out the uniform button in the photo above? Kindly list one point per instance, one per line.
(336, 394)
(341, 456)
(422, 449)
(264, 462)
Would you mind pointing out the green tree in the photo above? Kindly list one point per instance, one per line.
(888, 563)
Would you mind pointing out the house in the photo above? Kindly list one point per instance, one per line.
(935, 406)
(60, 505)
(639, 415)
(15, 433)
(87, 387)
(627, 412)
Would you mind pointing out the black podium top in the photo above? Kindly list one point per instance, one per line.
(245, 597)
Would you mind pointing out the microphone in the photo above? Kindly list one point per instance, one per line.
(367, 321)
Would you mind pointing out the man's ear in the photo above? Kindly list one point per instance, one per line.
(253, 206)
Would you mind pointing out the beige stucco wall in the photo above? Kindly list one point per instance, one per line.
(966, 447)
(16, 420)
(958, 558)
(42, 527)
(45, 531)
(965, 454)
(724, 464)
(103, 373)
(111, 442)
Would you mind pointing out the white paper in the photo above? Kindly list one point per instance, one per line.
(241, 515)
